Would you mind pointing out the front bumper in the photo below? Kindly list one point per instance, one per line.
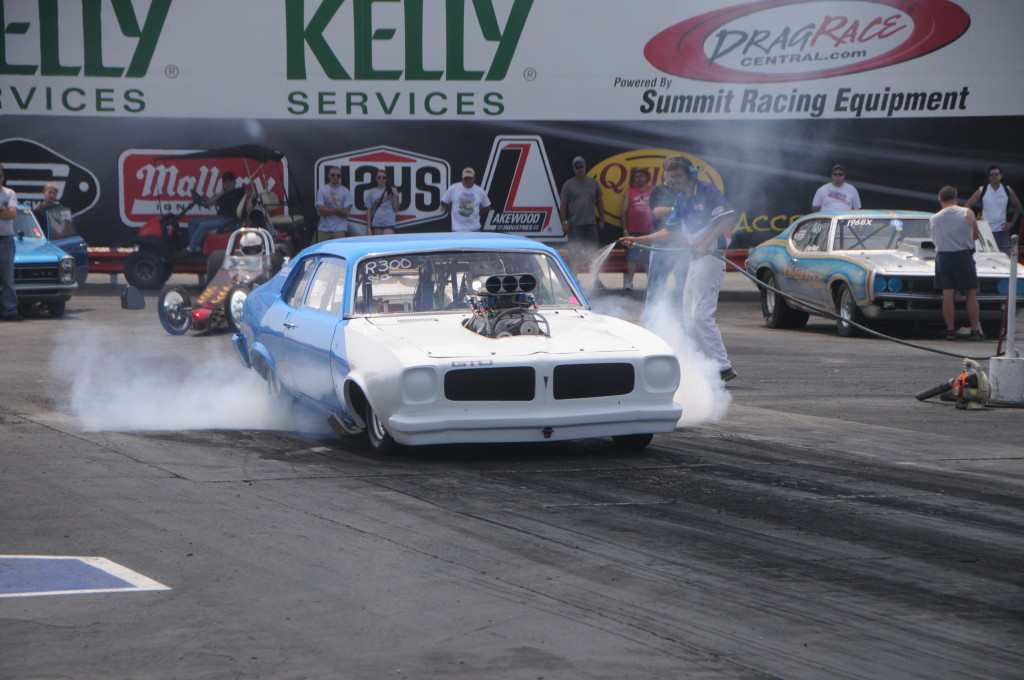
(493, 423)
(45, 292)
(241, 349)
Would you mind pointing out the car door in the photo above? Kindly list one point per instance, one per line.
(312, 336)
(278, 320)
(807, 271)
(60, 230)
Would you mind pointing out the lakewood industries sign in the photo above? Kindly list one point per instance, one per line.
(522, 60)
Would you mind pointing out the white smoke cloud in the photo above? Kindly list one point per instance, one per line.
(124, 383)
(701, 392)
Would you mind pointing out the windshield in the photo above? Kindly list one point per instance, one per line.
(432, 282)
(25, 225)
(60, 223)
(878, 233)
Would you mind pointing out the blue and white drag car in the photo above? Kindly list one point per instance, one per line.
(868, 265)
(448, 338)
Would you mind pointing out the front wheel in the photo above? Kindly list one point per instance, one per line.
(145, 269)
(778, 314)
(234, 304)
(56, 309)
(175, 310)
(848, 311)
(380, 439)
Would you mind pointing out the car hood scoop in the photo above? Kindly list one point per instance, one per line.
(572, 332)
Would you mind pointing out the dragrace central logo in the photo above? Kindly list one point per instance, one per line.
(787, 40)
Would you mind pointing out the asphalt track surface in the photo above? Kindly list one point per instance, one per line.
(830, 526)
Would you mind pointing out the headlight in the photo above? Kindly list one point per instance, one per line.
(419, 385)
(893, 285)
(1004, 286)
(661, 374)
(67, 270)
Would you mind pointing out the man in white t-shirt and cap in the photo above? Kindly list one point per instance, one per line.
(837, 195)
(469, 200)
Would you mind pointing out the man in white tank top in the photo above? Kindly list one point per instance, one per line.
(994, 197)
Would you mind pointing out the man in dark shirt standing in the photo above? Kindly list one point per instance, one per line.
(227, 201)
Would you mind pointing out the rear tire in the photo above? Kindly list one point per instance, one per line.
(847, 309)
(380, 439)
(778, 314)
(213, 264)
(632, 442)
(145, 269)
(174, 308)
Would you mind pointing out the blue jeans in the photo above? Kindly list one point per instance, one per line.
(9, 298)
(663, 264)
(1002, 240)
(199, 227)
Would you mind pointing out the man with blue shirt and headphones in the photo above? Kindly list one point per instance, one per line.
(699, 219)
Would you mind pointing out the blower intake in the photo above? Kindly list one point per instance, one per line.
(504, 306)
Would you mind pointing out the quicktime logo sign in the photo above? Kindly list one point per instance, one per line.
(789, 40)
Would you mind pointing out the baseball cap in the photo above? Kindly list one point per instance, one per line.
(578, 159)
(837, 166)
(468, 172)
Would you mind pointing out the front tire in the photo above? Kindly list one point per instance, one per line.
(848, 311)
(175, 310)
(778, 314)
(380, 439)
(145, 269)
(234, 304)
(56, 309)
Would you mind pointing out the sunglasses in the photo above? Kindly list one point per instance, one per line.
(382, 176)
(838, 174)
(991, 174)
(333, 174)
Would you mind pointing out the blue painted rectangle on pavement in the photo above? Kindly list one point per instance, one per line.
(27, 575)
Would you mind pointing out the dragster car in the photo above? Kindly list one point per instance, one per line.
(248, 261)
(454, 338)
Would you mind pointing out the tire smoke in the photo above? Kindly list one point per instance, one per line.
(141, 388)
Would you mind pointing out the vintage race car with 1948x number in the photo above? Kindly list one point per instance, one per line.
(868, 265)
(448, 338)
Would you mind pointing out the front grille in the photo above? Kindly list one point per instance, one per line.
(582, 381)
(36, 273)
(926, 286)
(516, 383)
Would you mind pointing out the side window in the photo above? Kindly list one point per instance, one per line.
(811, 236)
(327, 287)
(799, 236)
(300, 279)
